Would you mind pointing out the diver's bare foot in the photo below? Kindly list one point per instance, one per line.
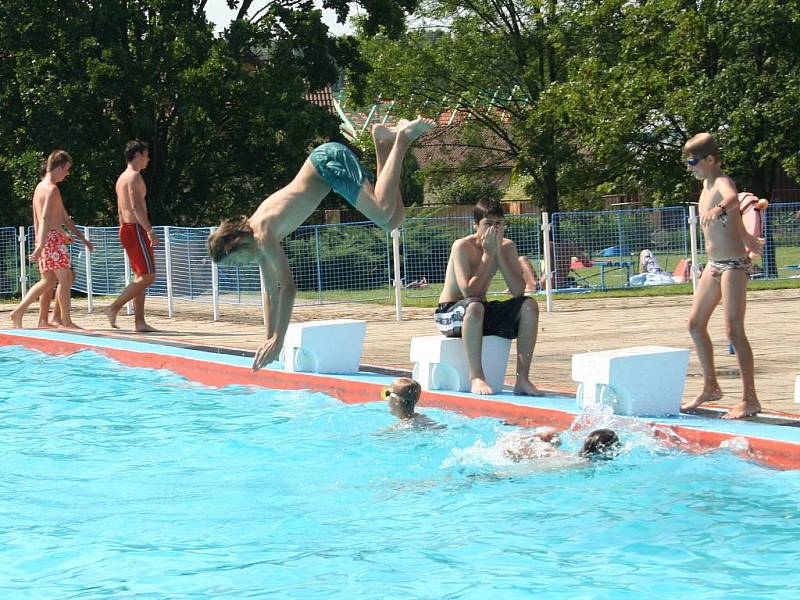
(479, 386)
(411, 130)
(111, 315)
(145, 328)
(748, 407)
(705, 396)
(524, 387)
(69, 325)
(16, 319)
(45, 325)
(383, 134)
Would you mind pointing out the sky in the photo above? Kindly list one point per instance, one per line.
(218, 12)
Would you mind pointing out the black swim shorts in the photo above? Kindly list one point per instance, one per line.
(499, 317)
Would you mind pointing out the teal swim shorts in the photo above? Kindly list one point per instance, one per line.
(341, 169)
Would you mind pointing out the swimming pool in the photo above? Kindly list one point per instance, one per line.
(127, 482)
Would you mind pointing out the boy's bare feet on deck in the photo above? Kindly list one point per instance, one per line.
(524, 387)
(479, 386)
(748, 407)
(145, 328)
(69, 325)
(411, 130)
(111, 315)
(705, 396)
(16, 319)
(45, 325)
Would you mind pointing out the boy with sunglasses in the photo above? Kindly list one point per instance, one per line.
(725, 276)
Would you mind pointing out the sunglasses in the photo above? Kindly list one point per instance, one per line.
(693, 161)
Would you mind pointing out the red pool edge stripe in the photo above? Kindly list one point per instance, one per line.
(774, 453)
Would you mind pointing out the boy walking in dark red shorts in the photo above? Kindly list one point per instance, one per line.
(135, 234)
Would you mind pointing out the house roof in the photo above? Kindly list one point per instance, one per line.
(322, 98)
(447, 147)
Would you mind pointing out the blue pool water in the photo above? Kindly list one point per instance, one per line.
(134, 483)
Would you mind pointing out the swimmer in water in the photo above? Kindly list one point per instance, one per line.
(402, 396)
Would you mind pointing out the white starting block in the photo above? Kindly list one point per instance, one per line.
(640, 381)
(440, 363)
(323, 346)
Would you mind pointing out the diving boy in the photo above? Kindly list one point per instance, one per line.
(330, 166)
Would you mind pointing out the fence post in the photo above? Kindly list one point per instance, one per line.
(168, 267)
(693, 246)
(263, 294)
(88, 253)
(129, 304)
(214, 284)
(548, 262)
(319, 266)
(23, 259)
(398, 282)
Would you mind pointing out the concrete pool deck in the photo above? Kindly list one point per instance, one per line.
(577, 325)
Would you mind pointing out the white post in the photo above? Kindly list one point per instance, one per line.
(398, 282)
(88, 256)
(214, 285)
(548, 262)
(129, 304)
(693, 246)
(168, 263)
(263, 294)
(23, 262)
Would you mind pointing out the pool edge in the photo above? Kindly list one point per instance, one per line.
(775, 453)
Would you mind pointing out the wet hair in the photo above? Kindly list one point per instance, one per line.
(406, 393)
(57, 158)
(600, 444)
(135, 147)
(487, 207)
(701, 145)
(228, 237)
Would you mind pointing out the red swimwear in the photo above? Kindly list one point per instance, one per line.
(56, 254)
(138, 248)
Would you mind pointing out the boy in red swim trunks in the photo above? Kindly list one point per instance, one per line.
(49, 220)
(136, 235)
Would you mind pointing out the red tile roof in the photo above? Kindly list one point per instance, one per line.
(446, 147)
(323, 98)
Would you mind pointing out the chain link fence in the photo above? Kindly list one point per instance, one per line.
(353, 262)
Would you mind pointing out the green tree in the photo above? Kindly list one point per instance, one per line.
(730, 67)
(592, 97)
(225, 116)
(502, 64)
(467, 190)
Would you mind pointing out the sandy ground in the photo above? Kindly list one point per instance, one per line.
(576, 325)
